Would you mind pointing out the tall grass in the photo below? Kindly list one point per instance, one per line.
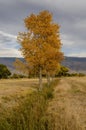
(30, 113)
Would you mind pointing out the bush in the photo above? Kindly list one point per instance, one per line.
(4, 72)
(17, 76)
(81, 74)
(63, 71)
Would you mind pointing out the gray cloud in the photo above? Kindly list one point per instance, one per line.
(69, 14)
(8, 45)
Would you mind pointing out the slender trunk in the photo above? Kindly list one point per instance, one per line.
(53, 76)
(40, 79)
(48, 78)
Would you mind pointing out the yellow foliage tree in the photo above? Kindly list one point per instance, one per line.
(24, 68)
(41, 44)
(21, 66)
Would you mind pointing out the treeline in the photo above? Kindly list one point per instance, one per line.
(63, 72)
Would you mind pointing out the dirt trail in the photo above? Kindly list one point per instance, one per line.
(68, 106)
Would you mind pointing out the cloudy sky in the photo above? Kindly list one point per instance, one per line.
(69, 14)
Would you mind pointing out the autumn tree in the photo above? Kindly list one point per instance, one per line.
(21, 66)
(41, 44)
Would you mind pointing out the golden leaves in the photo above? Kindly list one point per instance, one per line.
(41, 44)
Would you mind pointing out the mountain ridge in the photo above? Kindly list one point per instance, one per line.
(76, 64)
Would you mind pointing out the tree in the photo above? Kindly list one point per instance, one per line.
(4, 72)
(41, 44)
(21, 66)
(63, 71)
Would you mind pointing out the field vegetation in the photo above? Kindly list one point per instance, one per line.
(60, 106)
(68, 107)
(22, 105)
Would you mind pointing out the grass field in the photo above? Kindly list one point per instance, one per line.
(22, 105)
(67, 108)
(14, 90)
(17, 86)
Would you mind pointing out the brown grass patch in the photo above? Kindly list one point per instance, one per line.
(68, 108)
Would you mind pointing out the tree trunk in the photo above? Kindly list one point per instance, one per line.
(53, 76)
(48, 78)
(40, 79)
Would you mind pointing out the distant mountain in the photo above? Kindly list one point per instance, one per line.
(73, 63)
(8, 61)
(77, 64)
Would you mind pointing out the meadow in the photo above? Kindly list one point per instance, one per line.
(68, 106)
(62, 106)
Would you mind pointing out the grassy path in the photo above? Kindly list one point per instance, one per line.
(68, 106)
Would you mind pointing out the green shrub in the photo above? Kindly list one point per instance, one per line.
(17, 76)
(4, 72)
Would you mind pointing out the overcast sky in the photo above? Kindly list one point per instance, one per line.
(69, 14)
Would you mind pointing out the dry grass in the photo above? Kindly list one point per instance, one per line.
(19, 111)
(68, 106)
(12, 90)
(66, 111)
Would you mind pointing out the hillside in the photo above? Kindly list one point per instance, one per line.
(74, 63)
